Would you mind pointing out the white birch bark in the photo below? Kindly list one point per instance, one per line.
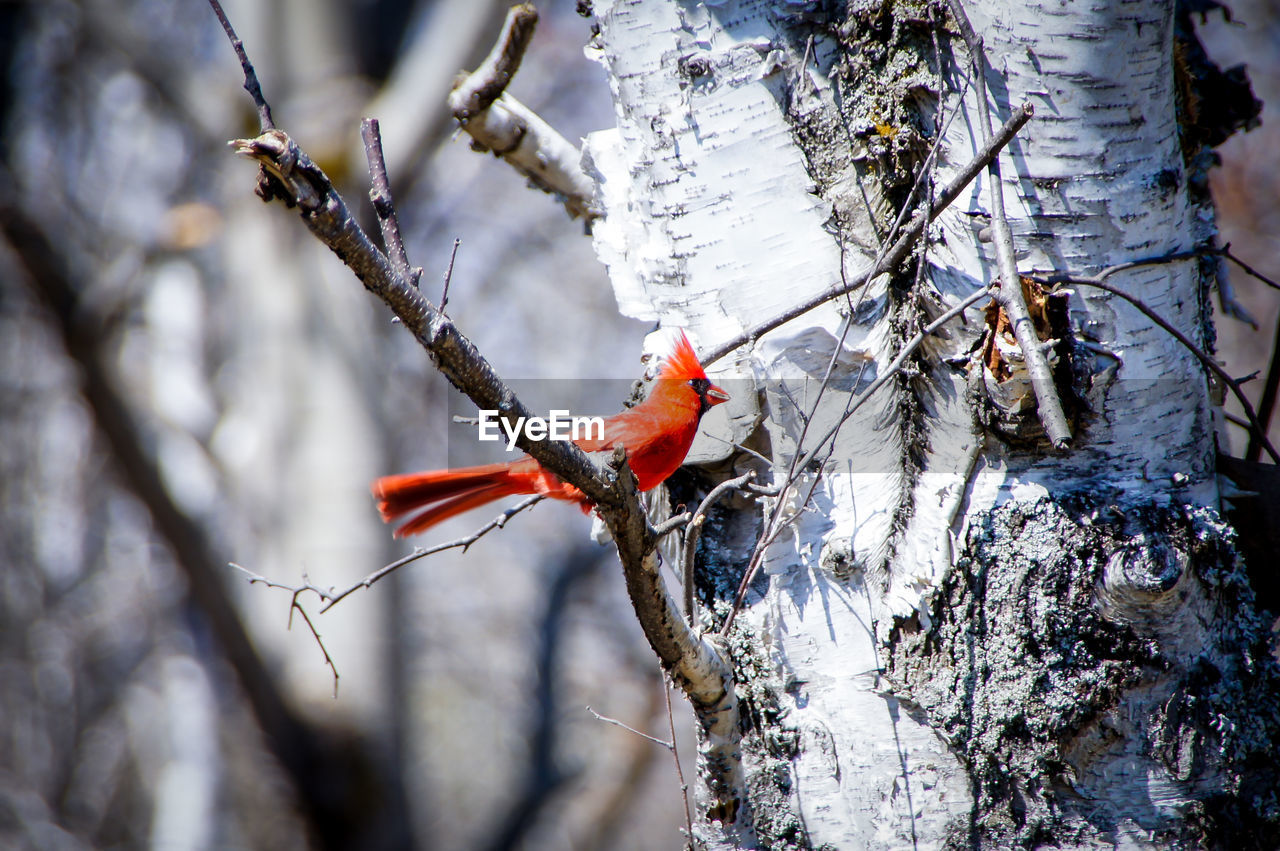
(757, 149)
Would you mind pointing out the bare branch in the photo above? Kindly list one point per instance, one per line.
(1238, 421)
(498, 122)
(477, 91)
(1010, 296)
(1267, 402)
(638, 759)
(1271, 386)
(615, 722)
(698, 666)
(1225, 251)
(327, 216)
(896, 364)
(666, 527)
(328, 660)
(448, 277)
(777, 524)
(383, 206)
(330, 598)
(464, 544)
(251, 84)
(1260, 422)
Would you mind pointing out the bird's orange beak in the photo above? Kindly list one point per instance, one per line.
(716, 395)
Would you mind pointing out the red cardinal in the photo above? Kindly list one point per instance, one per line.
(656, 434)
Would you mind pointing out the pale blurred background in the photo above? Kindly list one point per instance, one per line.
(189, 379)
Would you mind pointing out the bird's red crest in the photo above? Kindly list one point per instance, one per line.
(682, 364)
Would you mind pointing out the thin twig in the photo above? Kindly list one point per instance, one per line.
(738, 446)
(329, 597)
(295, 591)
(1271, 386)
(1267, 402)
(383, 206)
(776, 522)
(1010, 296)
(259, 579)
(251, 84)
(1211, 364)
(615, 722)
(328, 660)
(777, 525)
(1225, 251)
(1266, 405)
(1238, 421)
(461, 543)
(675, 756)
(448, 275)
(900, 249)
(896, 364)
(672, 523)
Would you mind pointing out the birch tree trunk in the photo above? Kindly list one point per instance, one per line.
(960, 637)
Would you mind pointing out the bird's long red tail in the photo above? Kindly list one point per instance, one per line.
(438, 495)
(656, 435)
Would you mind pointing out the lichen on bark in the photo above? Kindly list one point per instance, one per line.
(769, 742)
(1076, 689)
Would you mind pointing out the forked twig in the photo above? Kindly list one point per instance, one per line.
(329, 598)
(296, 606)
